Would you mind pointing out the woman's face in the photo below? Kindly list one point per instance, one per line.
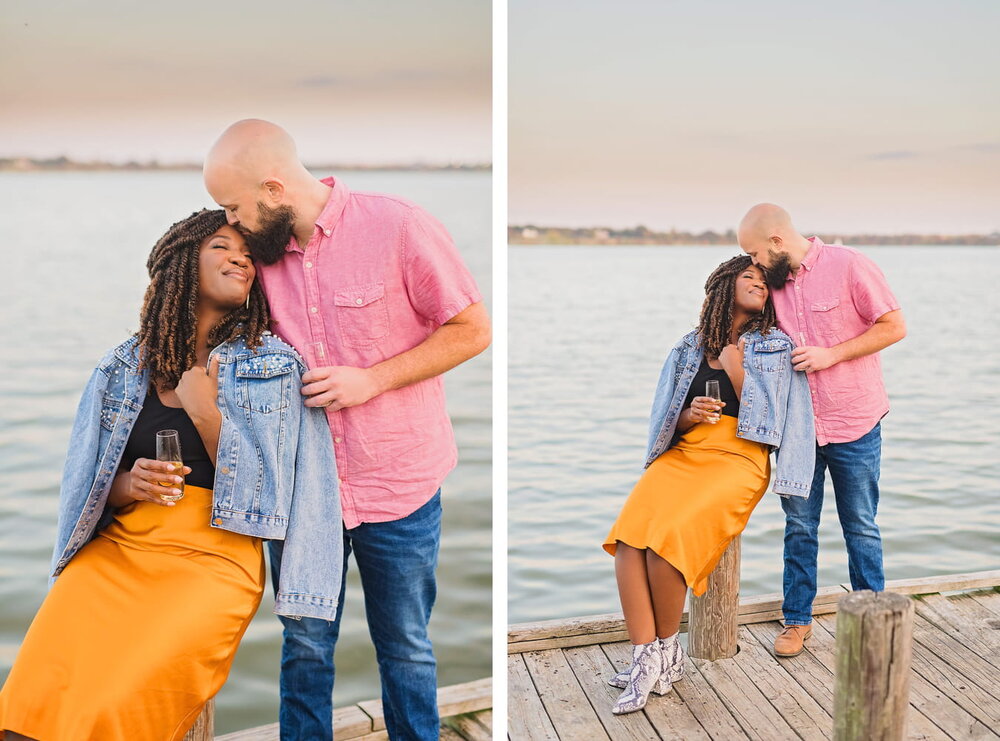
(225, 270)
(751, 290)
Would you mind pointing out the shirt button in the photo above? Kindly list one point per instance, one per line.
(309, 264)
(313, 309)
(327, 232)
(359, 301)
(796, 286)
(337, 439)
(217, 521)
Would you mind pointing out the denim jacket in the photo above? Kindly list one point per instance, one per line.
(275, 474)
(775, 405)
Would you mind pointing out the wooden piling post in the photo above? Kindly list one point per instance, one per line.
(712, 619)
(874, 647)
(204, 727)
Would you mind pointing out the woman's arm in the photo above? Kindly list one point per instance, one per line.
(732, 363)
(198, 390)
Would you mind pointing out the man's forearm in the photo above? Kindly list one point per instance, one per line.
(888, 329)
(451, 344)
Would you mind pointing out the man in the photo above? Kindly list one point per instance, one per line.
(837, 307)
(372, 292)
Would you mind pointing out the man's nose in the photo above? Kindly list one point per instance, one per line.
(231, 219)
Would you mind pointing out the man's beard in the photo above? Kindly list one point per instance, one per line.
(267, 244)
(776, 275)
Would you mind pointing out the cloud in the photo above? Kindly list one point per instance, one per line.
(983, 147)
(901, 154)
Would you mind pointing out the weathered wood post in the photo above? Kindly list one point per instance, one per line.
(872, 686)
(712, 617)
(204, 727)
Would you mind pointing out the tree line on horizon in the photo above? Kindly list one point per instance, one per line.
(640, 235)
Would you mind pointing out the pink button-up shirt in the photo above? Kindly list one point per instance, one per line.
(836, 295)
(377, 278)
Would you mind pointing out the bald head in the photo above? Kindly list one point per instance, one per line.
(250, 152)
(764, 221)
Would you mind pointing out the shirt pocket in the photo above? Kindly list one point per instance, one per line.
(264, 382)
(769, 356)
(112, 409)
(827, 316)
(362, 314)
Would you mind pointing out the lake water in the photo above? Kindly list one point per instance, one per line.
(74, 248)
(589, 330)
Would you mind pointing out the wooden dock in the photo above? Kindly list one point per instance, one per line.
(466, 712)
(558, 671)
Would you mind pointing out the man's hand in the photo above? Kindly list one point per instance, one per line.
(339, 386)
(810, 359)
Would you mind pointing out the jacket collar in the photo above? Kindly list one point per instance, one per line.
(128, 352)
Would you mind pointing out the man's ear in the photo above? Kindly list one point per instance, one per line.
(273, 191)
(776, 242)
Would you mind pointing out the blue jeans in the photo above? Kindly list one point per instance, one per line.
(396, 561)
(854, 469)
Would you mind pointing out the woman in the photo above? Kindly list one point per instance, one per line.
(706, 468)
(153, 595)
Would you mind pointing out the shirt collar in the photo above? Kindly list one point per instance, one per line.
(331, 213)
(812, 254)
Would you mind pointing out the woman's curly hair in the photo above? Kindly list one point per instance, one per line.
(716, 319)
(168, 321)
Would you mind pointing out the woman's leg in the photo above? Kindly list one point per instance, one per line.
(634, 593)
(668, 590)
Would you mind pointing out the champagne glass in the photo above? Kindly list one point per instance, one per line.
(168, 448)
(713, 391)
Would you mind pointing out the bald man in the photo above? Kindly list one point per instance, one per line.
(836, 306)
(371, 290)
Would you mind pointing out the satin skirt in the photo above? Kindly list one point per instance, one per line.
(694, 499)
(140, 629)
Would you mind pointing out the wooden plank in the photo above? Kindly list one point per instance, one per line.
(526, 716)
(962, 620)
(452, 700)
(958, 655)
(806, 669)
(564, 699)
(990, 600)
(610, 627)
(932, 714)
(756, 716)
(799, 709)
(450, 734)
(945, 583)
(670, 715)
(592, 669)
(269, 732)
(351, 722)
(469, 727)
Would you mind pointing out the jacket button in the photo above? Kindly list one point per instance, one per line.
(217, 521)
(225, 469)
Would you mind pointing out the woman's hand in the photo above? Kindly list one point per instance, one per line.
(198, 390)
(705, 409)
(147, 481)
(731, 356)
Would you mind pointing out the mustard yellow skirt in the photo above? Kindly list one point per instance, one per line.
(139, 630)
(694, 499)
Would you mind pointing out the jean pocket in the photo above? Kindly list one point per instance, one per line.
(362, 314)
(263, 382)
(827, 316)
(770, 356)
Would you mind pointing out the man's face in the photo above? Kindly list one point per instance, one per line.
(273, 229)
(774, 263)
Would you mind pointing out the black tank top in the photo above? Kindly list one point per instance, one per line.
(156, 416)
(728, 393)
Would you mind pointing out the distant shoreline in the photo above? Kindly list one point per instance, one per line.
(599, 236)
(65, 164)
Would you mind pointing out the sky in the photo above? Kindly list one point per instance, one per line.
(876, 117)
(354, 81)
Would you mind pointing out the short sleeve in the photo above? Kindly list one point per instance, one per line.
(438, 283)
(869, 290)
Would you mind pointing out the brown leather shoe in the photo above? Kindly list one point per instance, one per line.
(789, 641)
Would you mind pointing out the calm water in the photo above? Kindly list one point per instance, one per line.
(74, 248)
(589, 330)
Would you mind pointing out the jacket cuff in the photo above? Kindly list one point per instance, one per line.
(305, 606)
(790, 488)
